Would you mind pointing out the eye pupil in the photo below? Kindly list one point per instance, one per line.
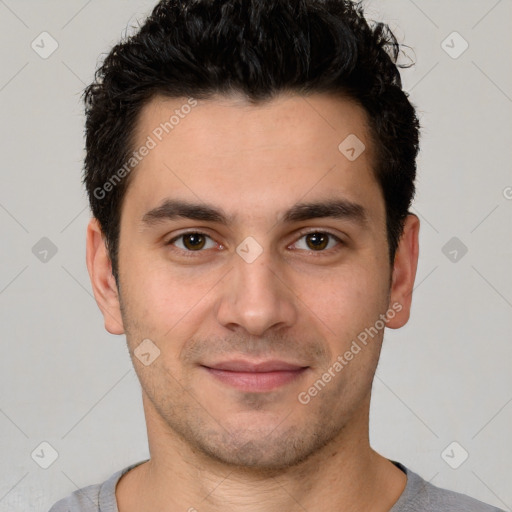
(197, 241)
(319, 240)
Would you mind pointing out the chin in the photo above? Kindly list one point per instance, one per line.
(266, 452)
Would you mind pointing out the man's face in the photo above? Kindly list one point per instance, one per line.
(260, 289)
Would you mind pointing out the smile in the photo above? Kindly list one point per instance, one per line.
(251, 377)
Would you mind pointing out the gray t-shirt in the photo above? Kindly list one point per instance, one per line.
(418, 496)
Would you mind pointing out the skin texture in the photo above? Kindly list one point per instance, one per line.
(214, 447)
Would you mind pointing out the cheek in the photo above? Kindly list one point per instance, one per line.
(157, 292)
(344, 298)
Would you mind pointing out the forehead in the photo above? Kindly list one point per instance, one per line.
(252, 160)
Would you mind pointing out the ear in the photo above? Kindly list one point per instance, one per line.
(404, 272)
(103, 283)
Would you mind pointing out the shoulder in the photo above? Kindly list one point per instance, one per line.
(420, 495)
(451, 501)
(94, 498)
(83, 500)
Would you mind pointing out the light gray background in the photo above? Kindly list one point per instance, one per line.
(444, 377)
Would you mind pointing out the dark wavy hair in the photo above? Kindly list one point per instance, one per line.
(200, 48)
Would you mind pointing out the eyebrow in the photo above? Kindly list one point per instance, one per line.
(171, 209)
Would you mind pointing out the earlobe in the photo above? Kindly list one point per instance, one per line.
(103, 283)
(404, 272)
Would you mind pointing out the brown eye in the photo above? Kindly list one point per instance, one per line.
(191, 242)
(318, 241)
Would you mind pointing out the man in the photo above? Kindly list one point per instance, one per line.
(250, 167)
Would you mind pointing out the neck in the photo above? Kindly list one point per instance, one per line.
(344, 475)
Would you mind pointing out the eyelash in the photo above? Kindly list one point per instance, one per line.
(192, 254)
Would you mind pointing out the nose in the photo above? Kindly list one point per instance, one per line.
(256, 296)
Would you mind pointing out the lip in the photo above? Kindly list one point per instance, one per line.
(242, 365)
(253, 377)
